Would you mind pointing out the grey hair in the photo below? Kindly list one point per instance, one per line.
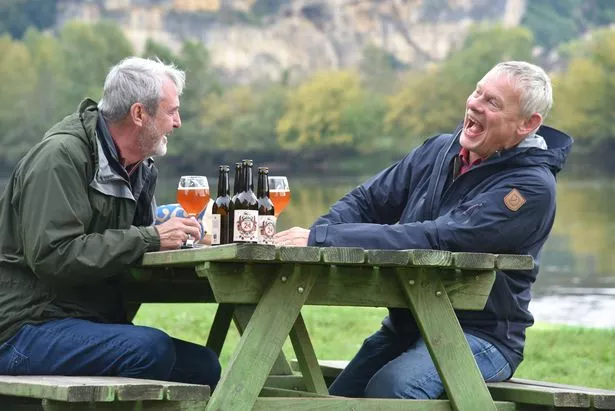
(533, 83)
(137, 80)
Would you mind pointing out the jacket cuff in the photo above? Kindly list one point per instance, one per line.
(151, 238)
(318, 235)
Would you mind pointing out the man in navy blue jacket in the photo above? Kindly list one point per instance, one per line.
(488, 187)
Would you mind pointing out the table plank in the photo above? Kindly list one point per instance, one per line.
(263, 338)
(234, 252)
(51, 405)
(514, 262)
(299, 254)
(474, 261)
(445, 340)
(343, 255)
(358, 286)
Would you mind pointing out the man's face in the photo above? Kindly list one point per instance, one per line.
(493, 117)
(153, 140)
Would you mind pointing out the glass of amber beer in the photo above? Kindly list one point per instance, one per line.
(193, 196)
(279, 193)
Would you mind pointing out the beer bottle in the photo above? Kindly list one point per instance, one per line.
(237, 180)
(245, 209)
(221, 209)
(237, 187)
(266, 218)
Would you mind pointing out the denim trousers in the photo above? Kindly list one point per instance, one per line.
(79, 347)
(391, 366)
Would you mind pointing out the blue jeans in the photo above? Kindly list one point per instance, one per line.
(79, 347)
(390, 366)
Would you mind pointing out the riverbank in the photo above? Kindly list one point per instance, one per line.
(557, 353)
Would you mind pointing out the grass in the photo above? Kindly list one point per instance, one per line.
(562, 354)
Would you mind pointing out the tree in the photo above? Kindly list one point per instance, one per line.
(47, 103)
(16, 16)
(585, 92)
(19, 78)
(315, 110)
(157, 50)
(90, 51)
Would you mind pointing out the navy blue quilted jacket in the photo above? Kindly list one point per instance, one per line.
(416, 203)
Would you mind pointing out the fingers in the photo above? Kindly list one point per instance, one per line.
(294, 237)
(175, 231)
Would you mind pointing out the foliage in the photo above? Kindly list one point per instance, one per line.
(316, 109)
(19, 78)
(558, 21)
(585, 92)
(16, 16)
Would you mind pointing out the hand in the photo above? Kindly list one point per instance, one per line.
(293, 237)
(174, 232)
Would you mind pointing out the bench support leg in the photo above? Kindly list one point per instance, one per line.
(263, 337)
(306, 357)
(449, 349)
(219, 327)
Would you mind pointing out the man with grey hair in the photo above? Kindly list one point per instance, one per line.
(487, 187)
(77, 212)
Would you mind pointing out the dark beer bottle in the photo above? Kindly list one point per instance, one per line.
(221, 209)
(266, 218)
(237, 187)
(245, 209)
(237, 180)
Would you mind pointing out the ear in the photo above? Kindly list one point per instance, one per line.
(137, 112)
(529, 124)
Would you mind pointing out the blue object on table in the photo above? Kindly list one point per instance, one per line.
(166, 211)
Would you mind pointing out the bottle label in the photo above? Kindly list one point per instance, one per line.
(246, 226)
(215, 229)
(266, 229)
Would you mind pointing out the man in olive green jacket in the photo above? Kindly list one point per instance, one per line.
(77, 211)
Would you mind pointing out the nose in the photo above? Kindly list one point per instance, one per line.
(473, 103)
(177, 121)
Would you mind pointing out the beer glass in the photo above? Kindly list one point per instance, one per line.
(279, 193)
(193, 195)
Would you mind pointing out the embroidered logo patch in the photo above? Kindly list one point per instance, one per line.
(514, 200)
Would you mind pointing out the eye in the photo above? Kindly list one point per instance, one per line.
(494, 103)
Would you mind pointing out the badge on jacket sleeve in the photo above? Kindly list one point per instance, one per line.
(514, 200)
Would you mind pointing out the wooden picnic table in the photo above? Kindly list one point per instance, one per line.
(263, 288)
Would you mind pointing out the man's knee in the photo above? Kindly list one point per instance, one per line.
(211, 368)
(151, 355)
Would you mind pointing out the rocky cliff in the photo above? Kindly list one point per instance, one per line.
(251, 39)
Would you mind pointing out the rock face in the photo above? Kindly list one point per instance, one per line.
(251, 39)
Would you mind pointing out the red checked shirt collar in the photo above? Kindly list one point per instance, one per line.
(464, 156)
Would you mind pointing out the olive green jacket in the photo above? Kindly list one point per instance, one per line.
(66, 229)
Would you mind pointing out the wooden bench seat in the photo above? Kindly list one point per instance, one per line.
(527, 394)
(50, 393)
(553, 394)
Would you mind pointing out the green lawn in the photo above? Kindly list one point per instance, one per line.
(568, 355)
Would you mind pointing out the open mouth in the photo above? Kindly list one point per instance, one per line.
(473, 127)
